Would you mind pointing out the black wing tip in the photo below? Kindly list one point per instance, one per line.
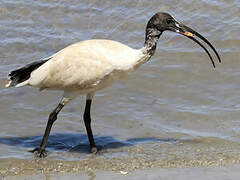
(22, 74)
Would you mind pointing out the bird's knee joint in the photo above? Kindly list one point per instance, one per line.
(52, 117)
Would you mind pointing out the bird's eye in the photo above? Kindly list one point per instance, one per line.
(169, 21)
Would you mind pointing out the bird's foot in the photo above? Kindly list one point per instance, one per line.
(41, 153)
(94, 150)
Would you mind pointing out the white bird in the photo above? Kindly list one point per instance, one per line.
(88, 66)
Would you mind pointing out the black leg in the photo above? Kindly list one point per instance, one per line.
(41, 152)
(87, 121)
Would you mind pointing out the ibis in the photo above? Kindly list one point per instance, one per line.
(88, 66)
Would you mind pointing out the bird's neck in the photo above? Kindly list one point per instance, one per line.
(151, 39)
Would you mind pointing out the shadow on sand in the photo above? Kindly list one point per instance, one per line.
(75, 142)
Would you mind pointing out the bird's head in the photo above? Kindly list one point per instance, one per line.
(161, 22)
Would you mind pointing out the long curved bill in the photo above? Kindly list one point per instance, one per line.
(190, 33)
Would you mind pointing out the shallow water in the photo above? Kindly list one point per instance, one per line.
(175, 111)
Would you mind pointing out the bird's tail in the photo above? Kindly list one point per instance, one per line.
(20, 76)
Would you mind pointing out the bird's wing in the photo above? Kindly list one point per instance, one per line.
(82, 65)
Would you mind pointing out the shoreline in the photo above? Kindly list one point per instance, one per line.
(197, 173)
(18, 167)
(198, 153)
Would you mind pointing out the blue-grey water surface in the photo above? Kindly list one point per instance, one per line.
(174, 111)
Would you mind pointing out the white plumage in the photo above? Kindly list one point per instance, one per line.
(86, 66)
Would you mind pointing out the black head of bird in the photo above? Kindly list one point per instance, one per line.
(161, 22)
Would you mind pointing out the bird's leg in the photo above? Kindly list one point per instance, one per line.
(87, 121)
(40, 151)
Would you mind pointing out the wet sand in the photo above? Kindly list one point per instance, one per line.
(210, 173)
(186, 154)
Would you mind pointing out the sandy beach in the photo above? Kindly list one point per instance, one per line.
(223, 173)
